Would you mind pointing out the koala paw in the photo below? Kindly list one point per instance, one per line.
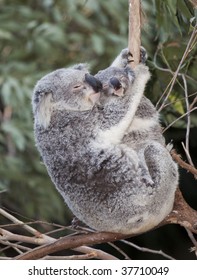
(143, 55)
(127, 57)
(148, 181)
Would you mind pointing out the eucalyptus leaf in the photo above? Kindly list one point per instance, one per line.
(14, 132)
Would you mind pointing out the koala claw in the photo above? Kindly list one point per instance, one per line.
(148, 181)
(143, 55)
(127, 56)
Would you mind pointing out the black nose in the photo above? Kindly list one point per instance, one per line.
(115, 83)
(93, 82)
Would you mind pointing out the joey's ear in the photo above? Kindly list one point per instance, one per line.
(81, 66)
(42, 107)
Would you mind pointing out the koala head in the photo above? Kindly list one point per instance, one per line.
(115, 82)
(71, 89)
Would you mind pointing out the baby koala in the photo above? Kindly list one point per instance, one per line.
(101, 142)
(144, 125)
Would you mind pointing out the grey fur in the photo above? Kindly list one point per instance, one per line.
(113, 175)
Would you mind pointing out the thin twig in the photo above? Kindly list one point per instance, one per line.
(181, 99)
(28, 228)
(98, 254)
(10, 244)
(192, 238)
(193, 103)
(187, 50)
(119, 250)
(182, 163)
(188, 157)
(73, 257)
(188, 118)
(182, 116)
(169, 70)
(143, 249)
(6, 235)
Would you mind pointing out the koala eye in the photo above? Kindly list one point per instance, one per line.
(77, 87)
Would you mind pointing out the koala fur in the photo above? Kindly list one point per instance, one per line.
(101, 142)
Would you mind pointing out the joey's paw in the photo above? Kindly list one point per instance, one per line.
(126, 57)
(143, 55)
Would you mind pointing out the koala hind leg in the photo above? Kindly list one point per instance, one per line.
(145, 175)
(162, 168)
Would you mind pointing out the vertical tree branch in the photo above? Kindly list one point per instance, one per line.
(134, 40)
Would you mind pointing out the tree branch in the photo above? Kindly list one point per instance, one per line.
(181, 214)
(182, 163)
(33, 231)
(41, 239)
(134, 40)
(143, 249)
(70, 242)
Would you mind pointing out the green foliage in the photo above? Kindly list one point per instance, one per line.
(37, 37)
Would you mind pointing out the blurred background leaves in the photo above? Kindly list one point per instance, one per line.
(37, 37)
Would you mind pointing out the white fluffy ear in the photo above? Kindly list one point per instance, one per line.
(43, 110)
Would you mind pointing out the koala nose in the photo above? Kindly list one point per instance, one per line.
(114, 87)
(115, 83)
(93, 82)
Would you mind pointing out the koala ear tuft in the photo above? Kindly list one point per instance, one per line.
(42, 108)
(81, 66)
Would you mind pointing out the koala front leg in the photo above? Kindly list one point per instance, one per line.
(142, 75)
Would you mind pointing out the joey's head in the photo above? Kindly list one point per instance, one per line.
(116, 82)
(71, 89)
